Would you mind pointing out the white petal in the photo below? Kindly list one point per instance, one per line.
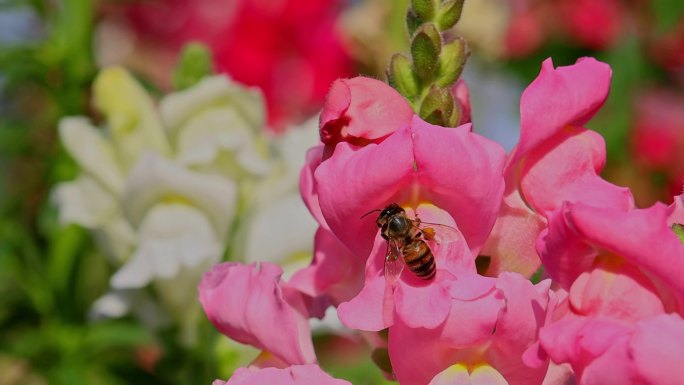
(132, 118)
(178, 108)
(172, 237)
(204, 136)
(116, 238)
(155, 179)
(281, 231)
(84, 201)
(92, 152)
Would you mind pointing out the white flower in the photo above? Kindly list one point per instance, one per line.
(160, 189)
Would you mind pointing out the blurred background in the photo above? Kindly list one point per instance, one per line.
(66, 313)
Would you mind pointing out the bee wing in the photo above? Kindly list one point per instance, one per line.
(438, 232)
(394, 261)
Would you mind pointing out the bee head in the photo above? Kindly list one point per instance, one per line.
(387, 213)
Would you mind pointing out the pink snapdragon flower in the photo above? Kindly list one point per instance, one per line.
(622, 270)
(556, 160)
(622, 264)
(490, 324)
(293, 375)
(452, 173)
(250, 304)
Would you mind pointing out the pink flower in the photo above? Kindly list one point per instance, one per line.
(622, 270)
(293, 375)
(490, 324)
(609, 351)
(452, 173)
(622, 264)
(362, 110)
(250, 304)
(556, 160)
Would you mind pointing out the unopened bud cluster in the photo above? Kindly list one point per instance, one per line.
(436, 63)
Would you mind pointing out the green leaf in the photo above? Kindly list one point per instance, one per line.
(448, 14)
(451, 62)
(401, 76)
(425, 49)
(194, 63)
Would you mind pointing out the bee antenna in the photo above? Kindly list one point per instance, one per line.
(366, 214)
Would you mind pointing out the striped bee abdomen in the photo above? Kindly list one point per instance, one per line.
(419, 259)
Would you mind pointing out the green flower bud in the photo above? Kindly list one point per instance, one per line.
(401, 76)
(437, 106)
(424, 9)
(448, 14)
(425, 49)
(451, 61)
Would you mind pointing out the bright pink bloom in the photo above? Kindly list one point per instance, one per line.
(622, 270)
(556, 160)
(491, 323)
(250, 304)
(611, 352)
(294, 375)
(625, 265)
(362, 110)
(290, 49)
(453, 170)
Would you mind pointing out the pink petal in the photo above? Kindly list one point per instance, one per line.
(361, 110)
(293, 375)
(373, 307)
(617, 291)
(604, 229)
(351, 183)
(246, 303)
(307, 185)
(334, 272)
(425, 306)
(569, 95)
(511, 244)
(461, 93)
(525, 311)
(419, 354)
(460, 172)
(657, 350)
(566, 167)
(676, 210)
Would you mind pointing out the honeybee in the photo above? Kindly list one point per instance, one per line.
(406, 242)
